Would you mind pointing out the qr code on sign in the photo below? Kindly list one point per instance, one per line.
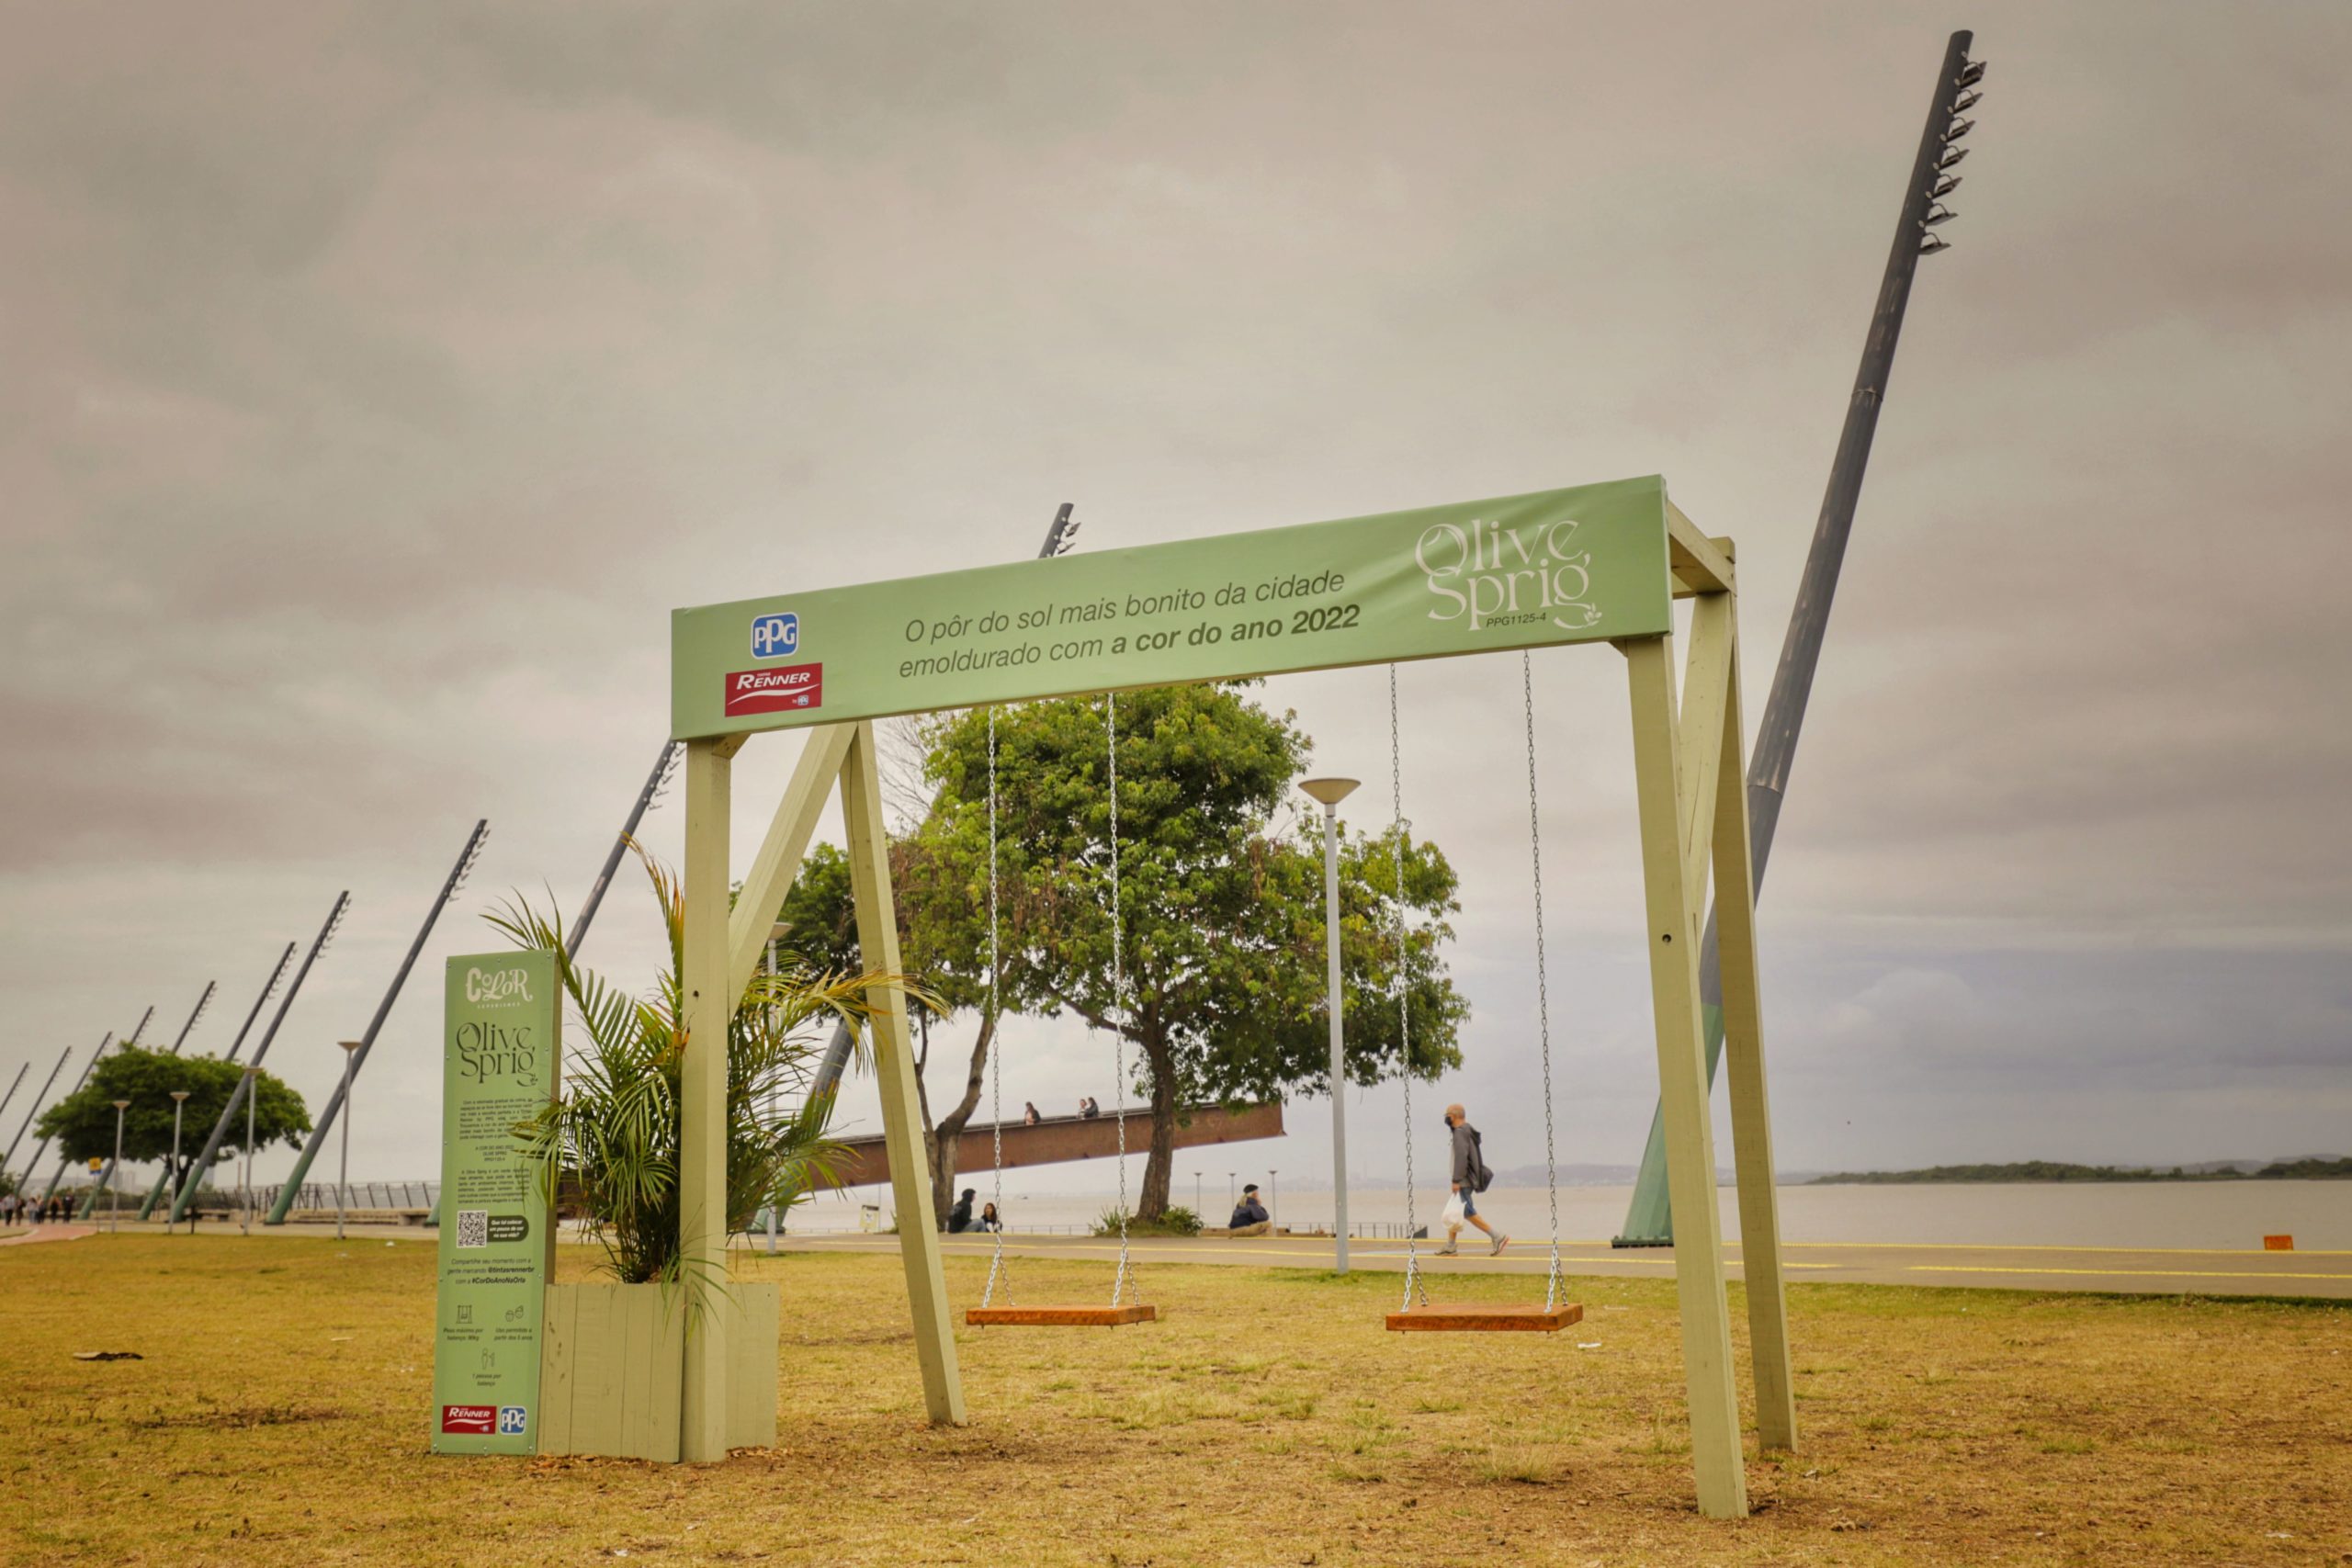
(473, 1227)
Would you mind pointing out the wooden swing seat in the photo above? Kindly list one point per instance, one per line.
(1508, 1317)
(1059, 1316)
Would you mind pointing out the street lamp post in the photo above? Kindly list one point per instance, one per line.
(252, 1091)
(1329, 793)
(343, 1174)
(114, 1217)
(179, 1108)
(1273, 1199)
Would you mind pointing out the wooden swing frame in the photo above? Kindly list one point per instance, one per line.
(1688, 761)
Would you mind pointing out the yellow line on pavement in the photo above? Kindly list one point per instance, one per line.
(2130, 1273)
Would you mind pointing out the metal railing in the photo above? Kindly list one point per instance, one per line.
(321, 1195)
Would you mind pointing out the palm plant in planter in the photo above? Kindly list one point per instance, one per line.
(610, 1141)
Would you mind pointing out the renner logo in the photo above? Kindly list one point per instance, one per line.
(473, 1420)
(773, 637)
(787, 689)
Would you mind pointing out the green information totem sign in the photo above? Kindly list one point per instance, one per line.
(500, 1043)
(1557, 566)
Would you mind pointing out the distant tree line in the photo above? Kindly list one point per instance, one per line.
(2313, 1169)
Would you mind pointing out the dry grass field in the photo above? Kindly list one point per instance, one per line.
(278, 1415)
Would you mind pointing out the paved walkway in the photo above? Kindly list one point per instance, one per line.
(2136, 1270)
(2131, 1270)
(49, 1232)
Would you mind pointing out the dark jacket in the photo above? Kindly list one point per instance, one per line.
(1249, 1211)
(959, 1218)
(1469, 1162)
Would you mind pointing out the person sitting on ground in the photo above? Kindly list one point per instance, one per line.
(1470, 1177)
(1087, 1109)
(1029, 1117)
(959, 1218)
(1250, 1216)
(989, 1220)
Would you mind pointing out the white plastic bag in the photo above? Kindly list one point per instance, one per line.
(1454, 1219)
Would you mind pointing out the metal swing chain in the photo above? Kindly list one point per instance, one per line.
(1125, 1276)
(995, 1049)
(1542, 992)
(1413, 1285)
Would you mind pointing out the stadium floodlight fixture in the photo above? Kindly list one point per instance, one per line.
(1944, 187)
(1952, 156)
(1966, 101)
(1957, 130)
(1931, 243)
(1936, 214)
(1970, 74)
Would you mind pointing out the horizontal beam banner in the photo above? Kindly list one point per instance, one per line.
(1559, 565)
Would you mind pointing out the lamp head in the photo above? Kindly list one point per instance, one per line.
(121, 1105)
(351, 1044)
(1330, 791)
(180, 1094)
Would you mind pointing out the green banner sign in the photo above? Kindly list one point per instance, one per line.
(1558, 566)
(503, 1034)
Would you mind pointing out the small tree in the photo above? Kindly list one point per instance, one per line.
(614, 1137)
(83, 1123)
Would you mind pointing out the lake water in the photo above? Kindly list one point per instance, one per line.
(2223, 1215)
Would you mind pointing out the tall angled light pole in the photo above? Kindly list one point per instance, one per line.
(22, 1070)
(59, 1174)
(34, 1110)
(1649, 1219)
(1329, 793)
(163, 1182)
(248, 1086)
(458, 872)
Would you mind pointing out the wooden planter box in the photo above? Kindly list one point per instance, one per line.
(612, 1364)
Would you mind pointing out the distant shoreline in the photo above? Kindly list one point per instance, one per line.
(2043, 1170)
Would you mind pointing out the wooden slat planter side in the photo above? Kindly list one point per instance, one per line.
(612, 1369)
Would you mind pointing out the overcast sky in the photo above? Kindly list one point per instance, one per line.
(378, 378)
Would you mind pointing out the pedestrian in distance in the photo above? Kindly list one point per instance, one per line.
(1029, 1117)
(959, 1218)
(989, 1220)
(1470, 1178)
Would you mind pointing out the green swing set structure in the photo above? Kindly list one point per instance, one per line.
(1593, 564)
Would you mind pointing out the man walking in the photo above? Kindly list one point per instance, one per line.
(1471, 1178)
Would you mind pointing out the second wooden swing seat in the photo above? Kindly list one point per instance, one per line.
(1549, 1315)
(1060, 1316)
(1490, 1317)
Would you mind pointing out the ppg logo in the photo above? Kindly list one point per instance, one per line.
(513, 1420)
(773, 636)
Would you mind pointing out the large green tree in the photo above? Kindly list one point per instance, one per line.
(1221, 897)
(83, 1123)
